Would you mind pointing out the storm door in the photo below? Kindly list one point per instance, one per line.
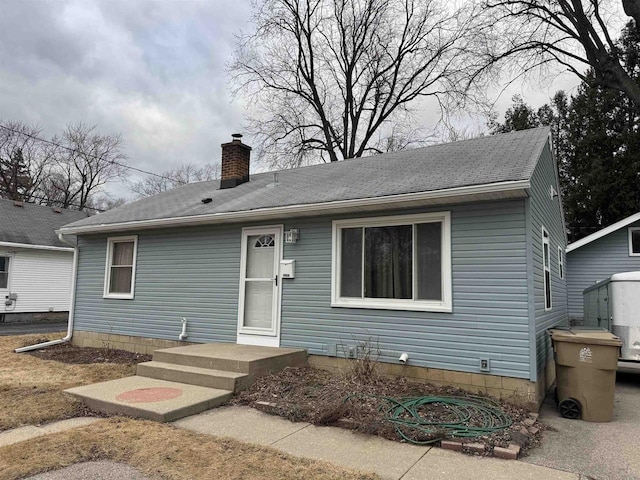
(259, 302)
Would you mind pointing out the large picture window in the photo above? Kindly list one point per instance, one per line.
(4, 272)
(121, 267)
(401, 262)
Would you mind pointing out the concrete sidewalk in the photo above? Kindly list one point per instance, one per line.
(16, 435)
(391, 460)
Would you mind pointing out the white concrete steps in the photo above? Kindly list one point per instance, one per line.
(183, 381)
(204, 377)
(252, 360)
(150, 398)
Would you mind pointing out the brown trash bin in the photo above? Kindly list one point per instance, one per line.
(586, 364)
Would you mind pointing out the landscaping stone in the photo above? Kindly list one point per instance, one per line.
(505, 453)
(475, 447)
(451, 445)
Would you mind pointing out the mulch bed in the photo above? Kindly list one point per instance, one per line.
(67, 353)
(353, 400)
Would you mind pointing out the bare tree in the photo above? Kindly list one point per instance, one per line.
(24, 161)
(575, 34)
(85, 161)
(170, 179)
(328, 78)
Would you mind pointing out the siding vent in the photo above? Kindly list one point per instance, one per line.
(235, 162)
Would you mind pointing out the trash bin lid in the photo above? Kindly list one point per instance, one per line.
(591, 337)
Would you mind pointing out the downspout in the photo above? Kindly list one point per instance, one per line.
(69, 334)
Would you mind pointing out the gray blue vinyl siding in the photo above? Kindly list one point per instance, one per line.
(193, 273)
(545, 211)
(489, 318)
(596, 261)
(190, 273)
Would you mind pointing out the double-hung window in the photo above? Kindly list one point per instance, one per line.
(634, 241)
(546, 264)
(396, 262)
(4, 272)
(120, 275)
(560, 262)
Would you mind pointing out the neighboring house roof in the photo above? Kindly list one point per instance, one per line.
(604, 232)
(486, 164)
(33, 225)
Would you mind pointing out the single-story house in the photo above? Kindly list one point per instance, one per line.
(449, 253)
(35, 265)
(614, 249)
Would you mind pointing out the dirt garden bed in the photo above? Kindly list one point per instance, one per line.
(67, 353)
(360, 401)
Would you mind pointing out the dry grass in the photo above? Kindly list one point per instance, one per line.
(161, 450)
(31, 388)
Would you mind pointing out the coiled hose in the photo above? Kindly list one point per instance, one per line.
(466, 417)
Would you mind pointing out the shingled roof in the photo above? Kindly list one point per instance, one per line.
(481, 161)
(29, 224)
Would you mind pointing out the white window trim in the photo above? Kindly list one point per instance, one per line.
(107, 272)
(10, 256)
(546, 267)
(630, 234)
(560, 262)
(386, 303)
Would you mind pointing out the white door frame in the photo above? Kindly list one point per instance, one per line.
(259, 336)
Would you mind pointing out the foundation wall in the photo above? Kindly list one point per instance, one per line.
(518, 391)
(123, 342)
(515, 390)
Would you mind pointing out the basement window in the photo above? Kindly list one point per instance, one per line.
(398, 262)
(4, 272)
(120, 271)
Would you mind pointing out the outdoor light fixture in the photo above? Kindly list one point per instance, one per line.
(291, 235)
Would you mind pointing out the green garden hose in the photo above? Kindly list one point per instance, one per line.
(466, 417)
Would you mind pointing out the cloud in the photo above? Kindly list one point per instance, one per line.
(153, 71)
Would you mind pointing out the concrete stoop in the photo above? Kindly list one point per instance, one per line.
(183, 381)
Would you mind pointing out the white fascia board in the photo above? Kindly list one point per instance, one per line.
(517, 189)
(35, 247)
(604, 232)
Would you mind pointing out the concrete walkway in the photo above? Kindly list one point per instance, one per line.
(391, 460)
(9, 437)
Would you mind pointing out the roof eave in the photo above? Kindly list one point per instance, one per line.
(491, 191)
(604, 232)
(35, 247)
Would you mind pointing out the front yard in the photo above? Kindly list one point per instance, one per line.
(31, 388)
(31, 393)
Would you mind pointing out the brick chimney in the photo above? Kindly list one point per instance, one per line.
(235, 162)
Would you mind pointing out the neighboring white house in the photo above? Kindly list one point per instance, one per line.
(35, 266)
(614, 249)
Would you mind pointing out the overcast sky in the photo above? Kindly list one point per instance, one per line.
(153, 71)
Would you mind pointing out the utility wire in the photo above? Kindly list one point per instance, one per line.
(124, 165)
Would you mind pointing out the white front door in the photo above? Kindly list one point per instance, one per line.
(259, 302)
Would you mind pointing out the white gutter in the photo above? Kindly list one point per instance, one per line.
(69, 334)
(36, 247)
(312, 208)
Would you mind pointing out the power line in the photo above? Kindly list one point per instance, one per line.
(124, 165)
